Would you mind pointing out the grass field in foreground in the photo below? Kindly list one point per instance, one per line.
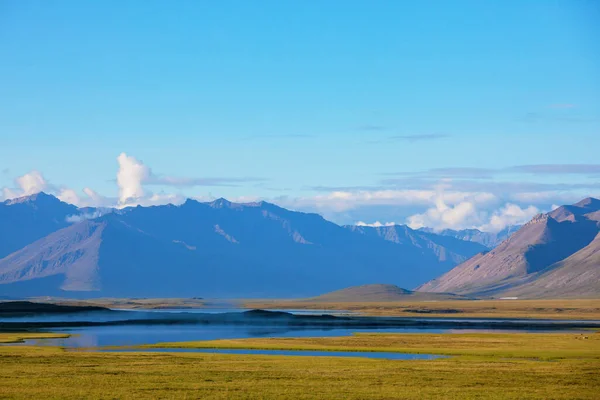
(20, 337)
(51, 373)
(588, 309)
(542, 346)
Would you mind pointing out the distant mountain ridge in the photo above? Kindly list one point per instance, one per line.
(488, 239)
(446, 248)
(555, 254)
(218, 248)
(27, 219)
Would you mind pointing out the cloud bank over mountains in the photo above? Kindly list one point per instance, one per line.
(441, 198)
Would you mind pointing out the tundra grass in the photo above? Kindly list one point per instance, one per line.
(51, 373)
(542, 346)
(584, 309)
(21, 337)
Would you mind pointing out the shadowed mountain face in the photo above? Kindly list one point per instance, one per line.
(220, 249)
(549, 256)
(487, 239)
(446, 249)
(577, 276)
(27, 219)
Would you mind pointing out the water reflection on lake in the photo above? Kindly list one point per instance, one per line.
(131, 335)
(132, 314)
(95, 336)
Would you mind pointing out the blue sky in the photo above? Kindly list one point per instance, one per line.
(391, 111)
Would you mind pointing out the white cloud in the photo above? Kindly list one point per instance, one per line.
(443, 206)
(469, 214)
(510, 214)
(89, 198)
(133, 175)
(375, 224)
(155, 199)
(340, 201)
(130, 177)
(31, 183)
(445, 216)
(85, 216)
(69, 196)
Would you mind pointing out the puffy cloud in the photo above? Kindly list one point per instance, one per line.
(510, 214)
(133, 175)
(468, 214)
(375, 224)
(31, 183)
(133, 178)
(69, 196)
(130, 177)
(340, 201)
(434, 198)
(90, 198)
(73, 219)
(159, 199)
(444, 216)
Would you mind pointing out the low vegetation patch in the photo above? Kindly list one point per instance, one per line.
(484, 366)
(584, 309)
(542, 346)
(20, 337)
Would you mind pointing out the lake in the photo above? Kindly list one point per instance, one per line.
(137, 327)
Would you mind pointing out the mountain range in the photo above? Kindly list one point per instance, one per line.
(225, 249)
(554, 255)
(218, 249)
(27, 219)
(488, 239)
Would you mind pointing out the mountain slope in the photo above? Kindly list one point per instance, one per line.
(487, 239)
(219, 249)
(27, 219)
(576, 276)
(546, 240)
(102, 256)
(445, 248)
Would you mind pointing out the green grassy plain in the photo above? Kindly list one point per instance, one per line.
(20, 337)
(585, 309)
(540, 346)
(484, 366)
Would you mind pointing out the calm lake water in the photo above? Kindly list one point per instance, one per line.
(132, 335)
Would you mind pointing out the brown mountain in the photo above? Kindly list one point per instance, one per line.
(576, 276)
(549, 256)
